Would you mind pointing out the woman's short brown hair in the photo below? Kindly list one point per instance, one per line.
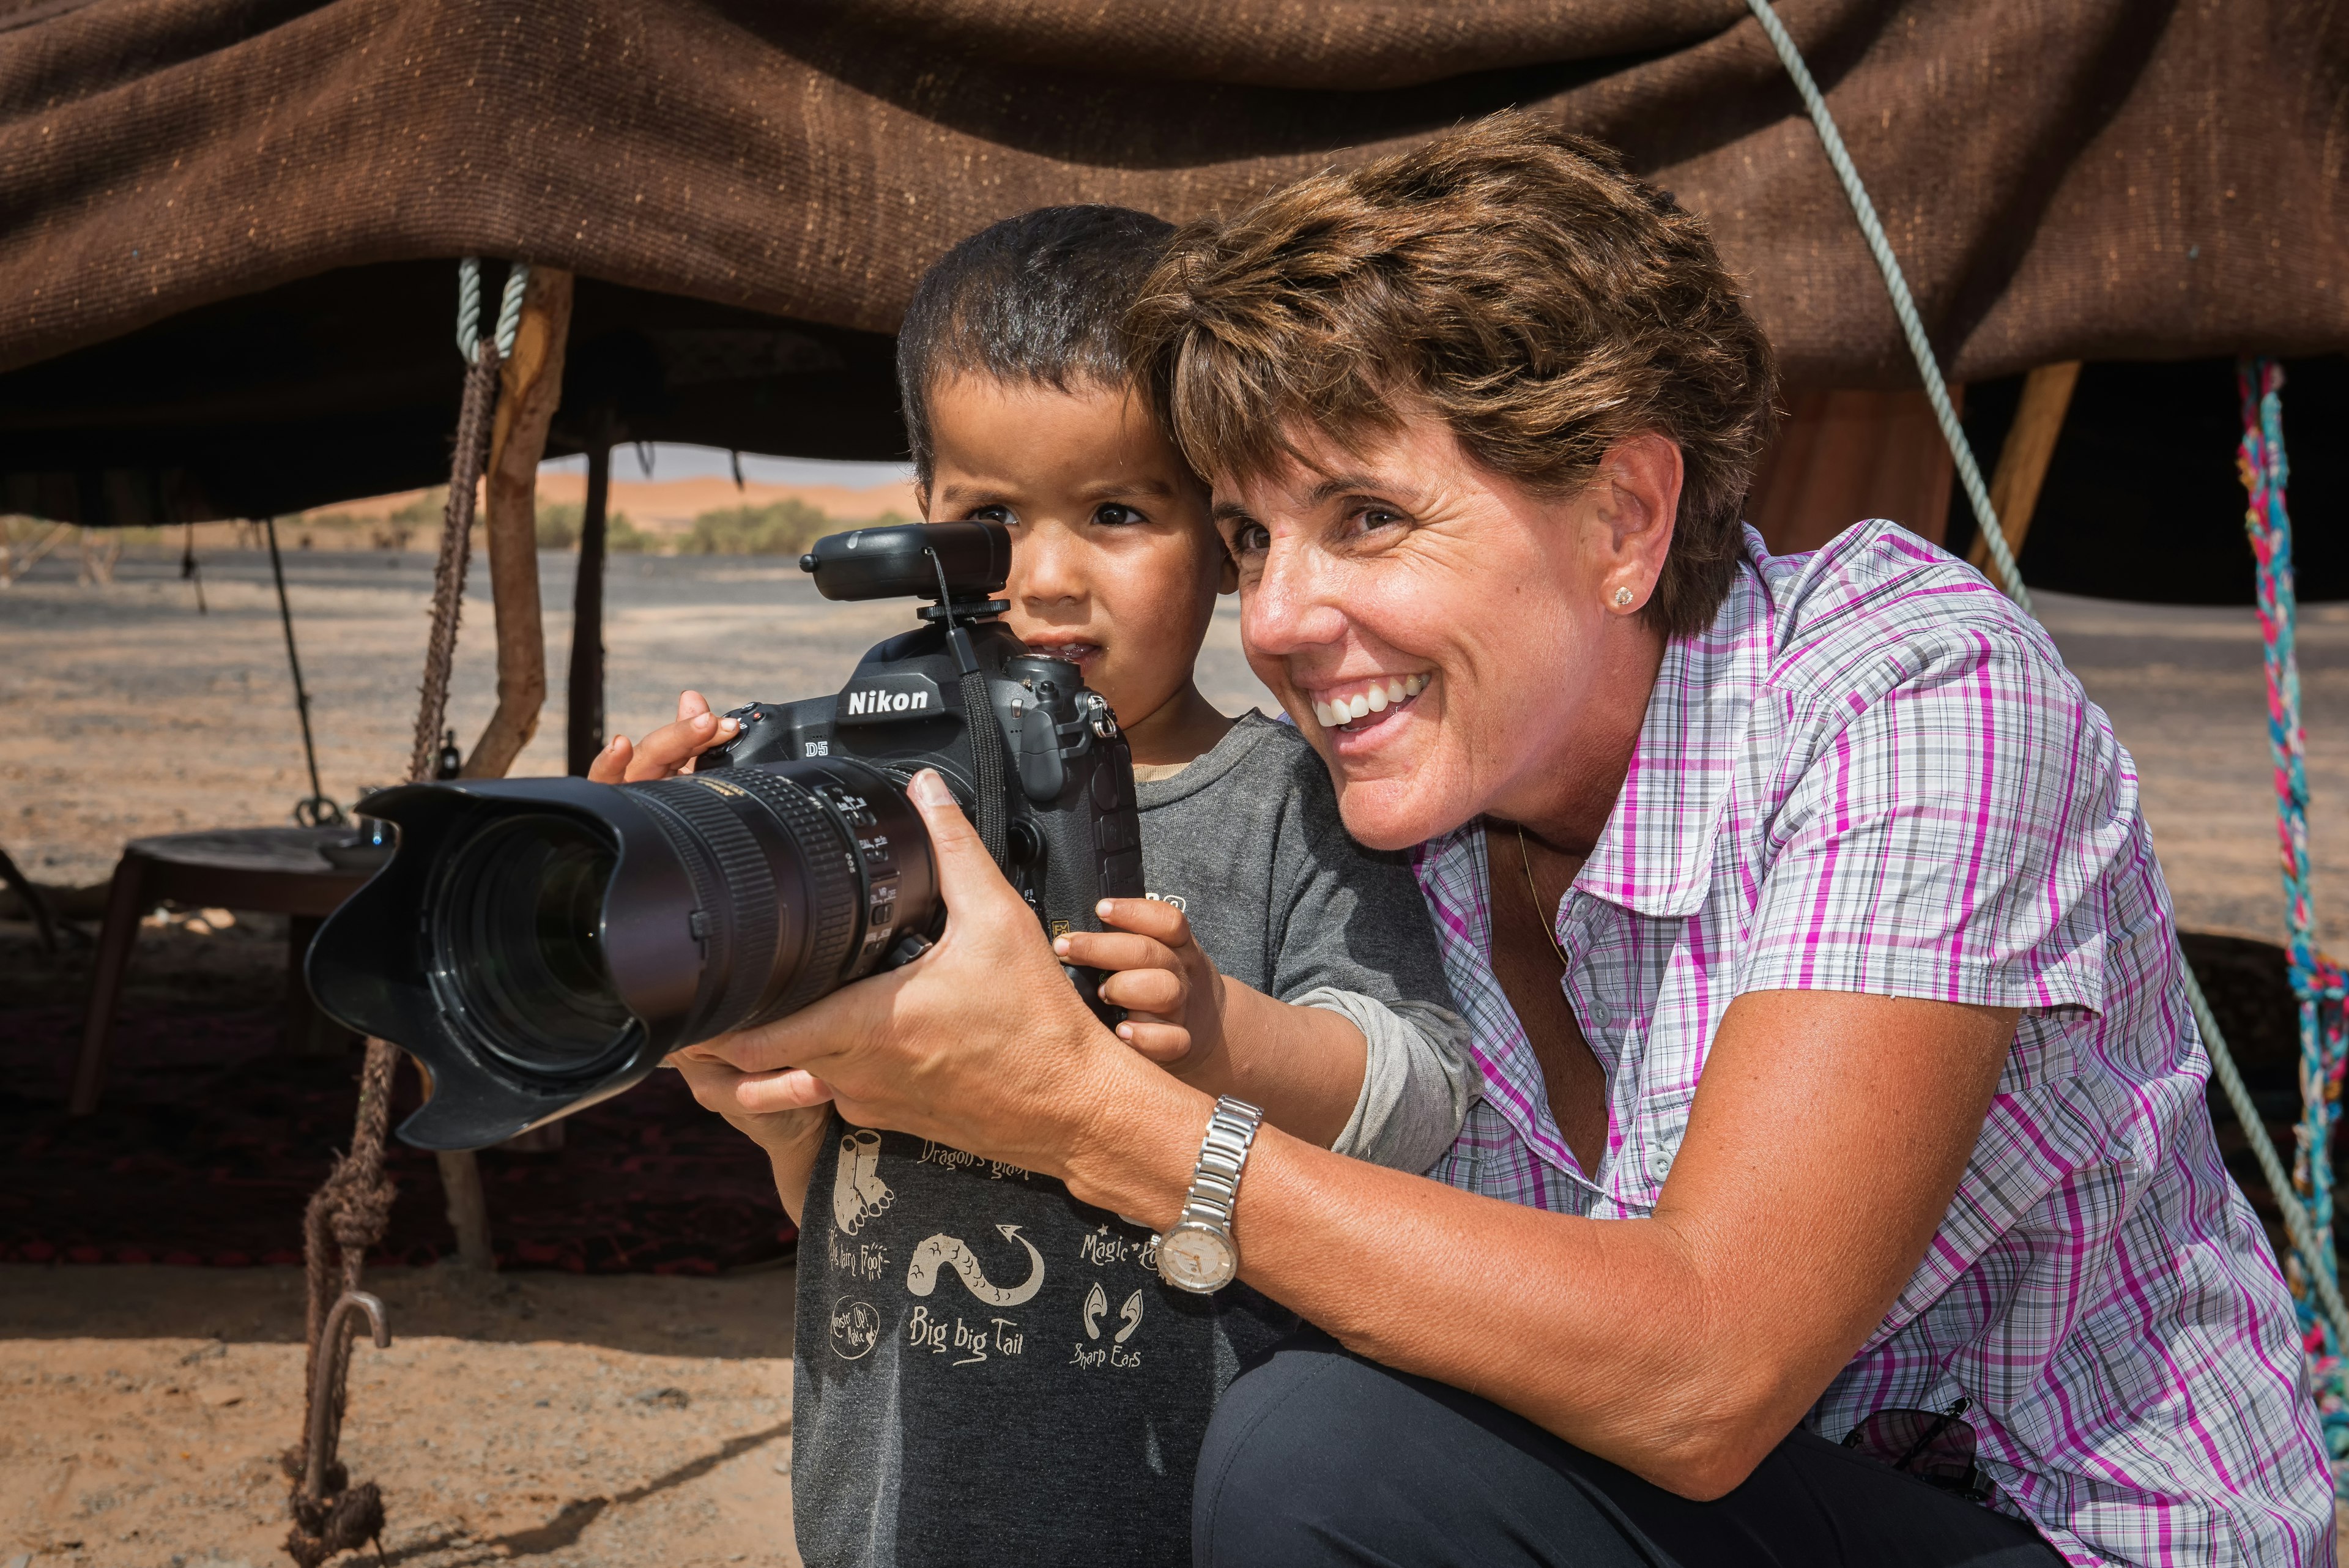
(1511, 277)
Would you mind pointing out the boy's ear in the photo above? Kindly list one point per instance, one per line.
(1227, 574)
(922, 499)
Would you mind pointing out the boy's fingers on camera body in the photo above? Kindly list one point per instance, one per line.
(671, 748)
(1165, 1043)
(1152, 917)
(1162, 991)
(667, 750)
(1116, 950)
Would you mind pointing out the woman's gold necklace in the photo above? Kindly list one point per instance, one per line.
(1549, 927)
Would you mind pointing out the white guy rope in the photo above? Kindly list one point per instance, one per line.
(2222, 1062)
(1936, 390)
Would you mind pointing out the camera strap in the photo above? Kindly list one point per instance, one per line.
(986, 731)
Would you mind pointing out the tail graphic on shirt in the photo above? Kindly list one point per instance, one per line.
(948, 1253)
(858, 1193)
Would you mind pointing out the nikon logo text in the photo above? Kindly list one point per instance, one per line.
(861, 703)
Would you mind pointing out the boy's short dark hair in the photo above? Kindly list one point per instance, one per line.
(1037, 298)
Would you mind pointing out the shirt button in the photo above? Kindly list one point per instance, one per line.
(1660, 1163)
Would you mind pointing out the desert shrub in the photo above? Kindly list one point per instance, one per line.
(784, 527)
(559, 524)
(425, 511)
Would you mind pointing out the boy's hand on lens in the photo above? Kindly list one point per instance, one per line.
(1169, 987)
(667, 750)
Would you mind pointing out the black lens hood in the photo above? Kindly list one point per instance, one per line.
(371, 966)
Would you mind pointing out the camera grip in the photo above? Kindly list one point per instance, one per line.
(1090, 848)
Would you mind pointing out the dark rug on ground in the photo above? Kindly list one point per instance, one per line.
(210, 1141)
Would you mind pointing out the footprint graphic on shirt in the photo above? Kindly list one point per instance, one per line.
(858, 1193)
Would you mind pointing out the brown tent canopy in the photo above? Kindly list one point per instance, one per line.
(228, 226)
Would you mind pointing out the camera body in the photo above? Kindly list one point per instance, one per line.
(541, 944)
(1070, 834)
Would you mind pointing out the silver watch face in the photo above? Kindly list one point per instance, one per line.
(1198, 1258)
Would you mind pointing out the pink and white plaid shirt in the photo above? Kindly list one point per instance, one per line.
(1874, 774)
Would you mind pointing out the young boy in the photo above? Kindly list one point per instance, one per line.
(986, 1371)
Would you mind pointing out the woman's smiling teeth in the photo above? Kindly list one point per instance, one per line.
(1343, 705)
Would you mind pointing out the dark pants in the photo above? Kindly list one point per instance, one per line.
(1318, 1458)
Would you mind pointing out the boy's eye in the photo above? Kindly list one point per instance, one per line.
(1110, 515)
(990, 515)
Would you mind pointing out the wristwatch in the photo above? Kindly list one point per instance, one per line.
(1198, 1254)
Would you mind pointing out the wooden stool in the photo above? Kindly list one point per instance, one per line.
(278, 870)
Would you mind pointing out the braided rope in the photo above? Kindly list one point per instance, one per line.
(469, 307)
(1936, 390)
(348, 1213)
(456, 551)
(2315, 982)
(510, 308)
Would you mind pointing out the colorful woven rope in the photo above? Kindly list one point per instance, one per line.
(2317, 983)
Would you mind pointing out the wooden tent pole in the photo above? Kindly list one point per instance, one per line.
(532, 385)
(585, 692)
(2023, 460)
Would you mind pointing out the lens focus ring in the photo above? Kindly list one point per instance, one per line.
(743, 918)
(834, 898)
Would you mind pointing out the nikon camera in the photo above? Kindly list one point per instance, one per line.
(541, 944)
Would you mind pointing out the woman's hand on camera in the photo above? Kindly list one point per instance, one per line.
(667, 750)
(1169, 987)
(981, 1043)
(773, 1109)
(784, 1112)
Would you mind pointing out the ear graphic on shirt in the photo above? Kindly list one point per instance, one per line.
(1130, 1313)
(858, 1193)
(1096, 1308)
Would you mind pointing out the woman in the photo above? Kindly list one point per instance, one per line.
(1855, 1093)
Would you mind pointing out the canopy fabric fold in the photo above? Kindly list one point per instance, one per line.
(2063, 179)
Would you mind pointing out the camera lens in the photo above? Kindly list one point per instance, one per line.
(537, 944)
(520, 931)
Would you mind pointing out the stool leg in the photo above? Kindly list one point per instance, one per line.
(125, 902)
(469, 1211)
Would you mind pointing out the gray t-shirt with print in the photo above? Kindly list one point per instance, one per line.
(987, 1371)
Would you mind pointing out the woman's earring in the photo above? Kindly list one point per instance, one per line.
(1622, 598)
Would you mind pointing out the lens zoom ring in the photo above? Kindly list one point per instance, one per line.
(835, 900)
(751, 916)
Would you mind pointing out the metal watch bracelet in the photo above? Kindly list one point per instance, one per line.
(1198, 1252)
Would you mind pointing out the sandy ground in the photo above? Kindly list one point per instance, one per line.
(575, 1423)
(123, 712)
